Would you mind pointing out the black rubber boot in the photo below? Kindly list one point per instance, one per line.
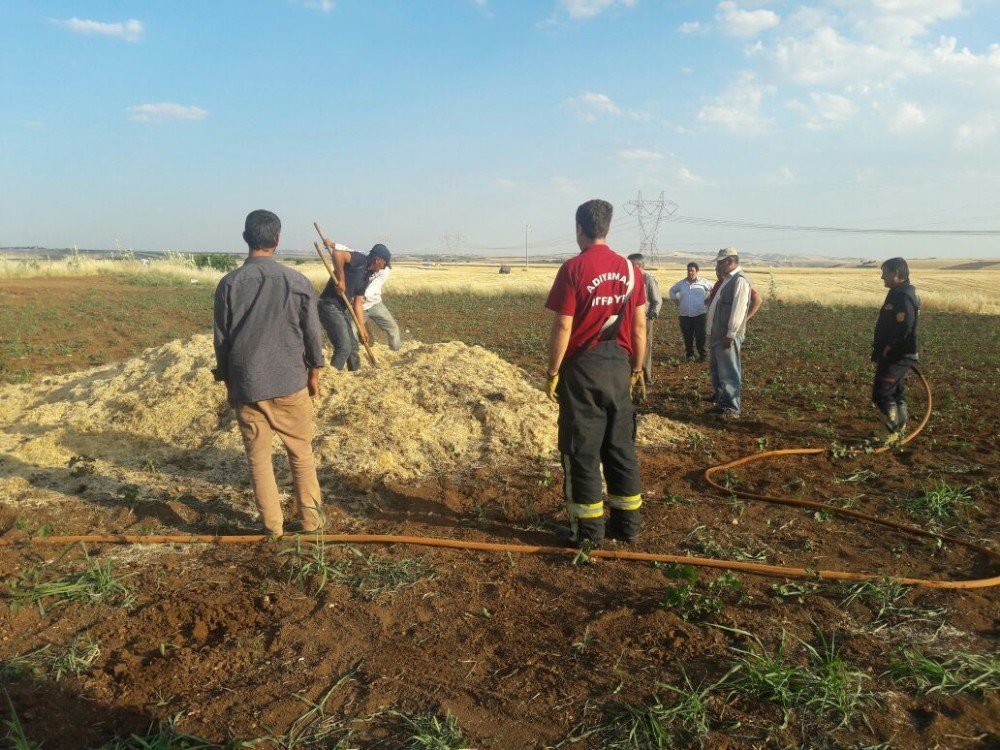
(625, 525)
(589, 532)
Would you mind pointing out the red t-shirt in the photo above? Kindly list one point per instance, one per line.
(590, 287)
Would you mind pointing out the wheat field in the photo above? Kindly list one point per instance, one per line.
(976, 290)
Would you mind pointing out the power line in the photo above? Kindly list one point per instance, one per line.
(832, 230)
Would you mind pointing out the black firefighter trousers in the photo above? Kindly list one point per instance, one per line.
(887, 386)
(597, 429)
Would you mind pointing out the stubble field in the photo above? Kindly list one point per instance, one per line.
(279, 645)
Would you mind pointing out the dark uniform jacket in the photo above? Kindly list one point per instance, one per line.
(896, 329)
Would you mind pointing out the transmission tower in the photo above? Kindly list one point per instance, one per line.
(650, 214)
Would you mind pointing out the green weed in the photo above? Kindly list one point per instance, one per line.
(165, 736)
(692, 601)
(825, 685)
(958, 673)
(794, 590)
(156, 279)
(706, 545)
(15, 732)
(314, 728)
(76, 658)
(940, 502)
(430, 732)
(96, 584)
(653, 724)
(373, 576)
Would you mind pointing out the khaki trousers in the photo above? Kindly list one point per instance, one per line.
(291, 417)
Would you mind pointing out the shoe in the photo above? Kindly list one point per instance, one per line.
(689, 357)
(701, 357)
(589, 532)
(624, 525)
(715, 410)
(891, 418)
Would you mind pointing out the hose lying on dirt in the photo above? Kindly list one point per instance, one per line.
(774, 571)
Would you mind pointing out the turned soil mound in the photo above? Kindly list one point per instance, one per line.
(427, 409)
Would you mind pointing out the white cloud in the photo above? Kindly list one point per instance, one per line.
(783, 177)
(591, 8)
(738, 108)
(824, 110)
(638, 154)
(324, 6)
(905, 118)
(738, 22)
(164, 111)
(564, 185)
(130, 30)
(686, 177)
(981, 131)
(689, 27)
(504, 184)
(589, 106)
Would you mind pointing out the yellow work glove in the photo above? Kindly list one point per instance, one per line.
(550, 388)
(637, 387)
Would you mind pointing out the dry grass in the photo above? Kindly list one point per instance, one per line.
(79, 265)
(940, 288)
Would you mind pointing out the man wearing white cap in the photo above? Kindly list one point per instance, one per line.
(725, 328)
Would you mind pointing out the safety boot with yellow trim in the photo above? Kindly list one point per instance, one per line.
(582, 532)
(625, 525)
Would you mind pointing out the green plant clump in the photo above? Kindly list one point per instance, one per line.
(218, 261)
(958, 673)
(97, 584)
(824, 686)
(940, 502)
(692, 601)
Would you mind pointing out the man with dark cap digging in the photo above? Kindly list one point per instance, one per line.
(352, 272)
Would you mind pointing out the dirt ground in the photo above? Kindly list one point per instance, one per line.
(539, 652)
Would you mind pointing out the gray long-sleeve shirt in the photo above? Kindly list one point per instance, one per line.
(266, 330)
(654, 300)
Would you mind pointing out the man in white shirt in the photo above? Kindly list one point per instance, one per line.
(690, 293)
(376, 311)
(726, 328)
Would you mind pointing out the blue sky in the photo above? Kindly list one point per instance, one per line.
(435, 125)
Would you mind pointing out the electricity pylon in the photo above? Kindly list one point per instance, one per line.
(650, 214)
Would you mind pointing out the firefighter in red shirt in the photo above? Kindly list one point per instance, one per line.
(596, 352)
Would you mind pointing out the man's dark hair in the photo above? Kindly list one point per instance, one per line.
(693, 265)
(594, 218)
(261, 230)
(897, 266)
(635, 257)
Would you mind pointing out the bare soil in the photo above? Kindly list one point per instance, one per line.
(532, 652)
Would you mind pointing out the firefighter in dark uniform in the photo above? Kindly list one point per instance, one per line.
(895, 351)
(596, 350)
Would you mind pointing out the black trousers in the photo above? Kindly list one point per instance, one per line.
(693, 331)
(887, 387)
(597, 427)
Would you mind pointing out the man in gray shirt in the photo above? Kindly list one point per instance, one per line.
(654, 301)
(268, 353)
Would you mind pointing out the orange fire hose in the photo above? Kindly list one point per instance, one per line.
(774, 571)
